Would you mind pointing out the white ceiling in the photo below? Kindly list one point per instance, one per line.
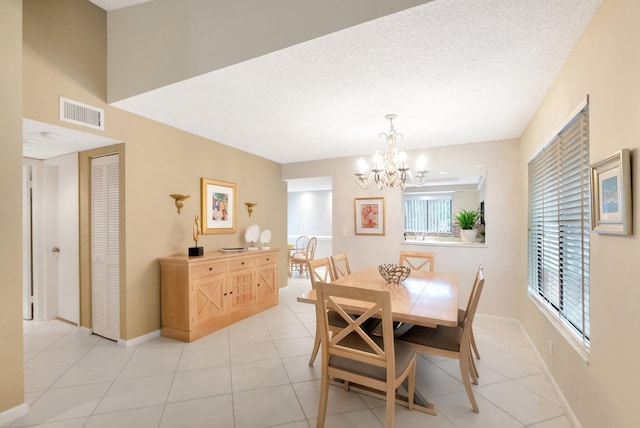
(45, 141)
(455, 71)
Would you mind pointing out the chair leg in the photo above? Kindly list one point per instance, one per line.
(466, 378)
(411, 385)
(474, 346)
(390, 404)
(474, 369)
(316, 346)
(324, 396)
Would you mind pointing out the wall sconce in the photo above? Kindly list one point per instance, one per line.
(250, 206)
(179, 200)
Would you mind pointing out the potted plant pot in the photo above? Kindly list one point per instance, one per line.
(468, 235)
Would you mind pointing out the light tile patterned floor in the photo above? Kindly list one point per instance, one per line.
(255, 374)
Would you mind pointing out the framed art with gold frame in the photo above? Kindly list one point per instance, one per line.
(369, 216)
(611, 194)
(217, 206)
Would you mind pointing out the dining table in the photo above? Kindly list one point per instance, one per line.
(424, 298)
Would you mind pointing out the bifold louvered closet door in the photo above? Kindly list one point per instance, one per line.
(105, 246)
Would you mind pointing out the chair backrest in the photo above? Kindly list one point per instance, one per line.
(311, 248)
(474, 298)
(417, 260)
(301, 243)
(352, 341)
(340, 264)
(320, 271)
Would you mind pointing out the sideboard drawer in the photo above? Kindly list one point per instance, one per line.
(266, 259)
(208, 269)
(240, 264)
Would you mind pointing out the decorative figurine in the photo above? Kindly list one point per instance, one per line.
(195, 250)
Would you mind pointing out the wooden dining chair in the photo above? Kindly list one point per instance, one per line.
(416, 260)
(340, 264)
(461, 316)
(299, 258)
(452, 342)
(320, 270)
(353, 356)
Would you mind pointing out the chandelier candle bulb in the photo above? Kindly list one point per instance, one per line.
(362, 166)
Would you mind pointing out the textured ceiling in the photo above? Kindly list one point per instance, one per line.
(455, 71)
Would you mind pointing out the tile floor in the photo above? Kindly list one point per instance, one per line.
(255, 374)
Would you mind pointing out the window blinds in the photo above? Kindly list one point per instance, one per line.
(428, 215)
(559, 225)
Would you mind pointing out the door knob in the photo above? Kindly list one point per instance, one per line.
(56, 249)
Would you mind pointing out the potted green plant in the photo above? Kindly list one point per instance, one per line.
(467, 219)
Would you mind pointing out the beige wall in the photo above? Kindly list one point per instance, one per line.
(161, 30)
(65, 55)
(502, 267)
(606, 65)
(11, 354)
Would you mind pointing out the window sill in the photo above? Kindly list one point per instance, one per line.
(444, 243)
(564, 331)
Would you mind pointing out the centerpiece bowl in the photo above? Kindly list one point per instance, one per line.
(394, 273)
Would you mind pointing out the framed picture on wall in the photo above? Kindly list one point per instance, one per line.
(611, 194)
(218, 206)
(369, 216)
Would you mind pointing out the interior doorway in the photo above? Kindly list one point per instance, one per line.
(309, 212)
(51, 219)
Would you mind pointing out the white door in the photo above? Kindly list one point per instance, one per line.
(67, 241)
(27, 284)
(105, 246)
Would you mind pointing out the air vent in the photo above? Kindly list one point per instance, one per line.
(81, 114)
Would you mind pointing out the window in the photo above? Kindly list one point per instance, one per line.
(427, 213)
(559, 226)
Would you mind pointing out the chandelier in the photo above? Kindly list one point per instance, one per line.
(390, 167)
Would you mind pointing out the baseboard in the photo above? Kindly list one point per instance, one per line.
(563, 401)
(138, 340)
(13, 413)
(513, 321)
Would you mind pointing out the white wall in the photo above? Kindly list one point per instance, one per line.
(502, 263)
(309, 213)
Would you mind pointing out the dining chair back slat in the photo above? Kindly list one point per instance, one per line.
(341, 266)
(417, 260)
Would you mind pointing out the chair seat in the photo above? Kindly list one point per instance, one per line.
(403, 355)
(441, 337)
(336, 320)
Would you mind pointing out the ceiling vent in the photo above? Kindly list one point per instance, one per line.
(81, 114)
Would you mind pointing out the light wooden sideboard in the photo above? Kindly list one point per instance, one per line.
(200, 295)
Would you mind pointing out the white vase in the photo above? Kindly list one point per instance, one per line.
(468, 235)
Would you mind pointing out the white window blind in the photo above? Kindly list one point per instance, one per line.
(429, 214)
(559, 225)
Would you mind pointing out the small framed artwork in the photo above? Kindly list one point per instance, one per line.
(218, 206)
(611, 194)
(369, 216)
